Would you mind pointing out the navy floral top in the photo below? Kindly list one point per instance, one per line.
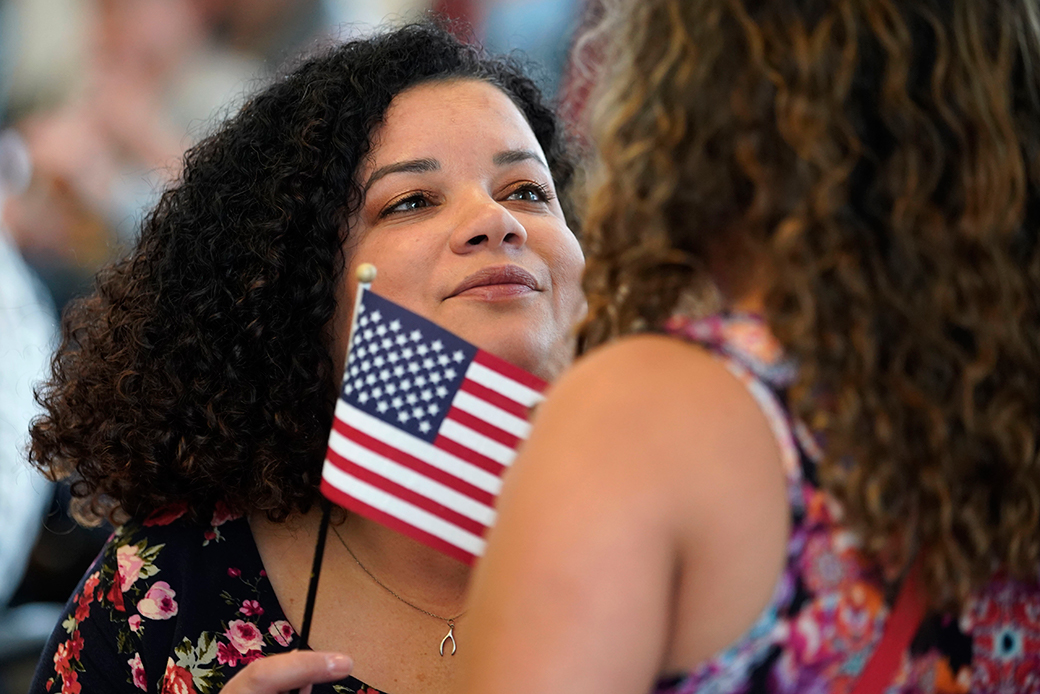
(170, 607)
(830, 606)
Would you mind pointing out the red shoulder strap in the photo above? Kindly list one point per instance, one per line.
(902, 624)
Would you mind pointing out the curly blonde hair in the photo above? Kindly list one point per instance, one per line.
(883, 159)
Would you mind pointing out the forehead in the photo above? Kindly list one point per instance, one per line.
(453, 117)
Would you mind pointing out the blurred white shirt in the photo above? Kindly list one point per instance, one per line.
(27, 331)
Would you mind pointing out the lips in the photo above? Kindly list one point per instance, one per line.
(502, 276)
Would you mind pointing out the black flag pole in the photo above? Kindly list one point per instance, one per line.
(312, 589)
(366, 273)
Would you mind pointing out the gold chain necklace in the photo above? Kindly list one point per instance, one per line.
(450, 636)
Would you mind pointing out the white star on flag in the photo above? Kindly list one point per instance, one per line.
(427, 461)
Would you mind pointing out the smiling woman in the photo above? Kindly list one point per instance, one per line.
(462, 219)
(192, 396)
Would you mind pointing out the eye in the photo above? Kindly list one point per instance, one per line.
(409, 203)
(530, 192)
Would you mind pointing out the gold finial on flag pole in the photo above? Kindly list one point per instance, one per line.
(366, 273)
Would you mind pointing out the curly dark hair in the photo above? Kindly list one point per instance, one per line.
(884, 159)
(199, 370)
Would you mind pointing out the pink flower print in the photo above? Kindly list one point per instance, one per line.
(222, 514)
(860, 617)
(82, 607)
(1006, 629)
(227, 655)
(70, 684)
(244, 636)
(209, 535)
(115, 595)
(91, 584)
(86, 597)
(233, 572)
(824, 568)
(177, 680)
(282, 632)
(166, 514)
(806, 642)
(754, 338)
(128, 565)
(158, 602)
(135, 623)
(251, 608)
(251, 656)
(75, 645)
(61, 660)
(137, 670)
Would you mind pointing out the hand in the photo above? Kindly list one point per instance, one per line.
(287, 671)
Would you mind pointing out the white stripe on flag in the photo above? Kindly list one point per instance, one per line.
(482, 409)
(504, 385)
(417, 448)
(475, 441)
(410, 514)
(410, 479)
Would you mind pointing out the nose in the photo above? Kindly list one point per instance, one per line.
(484, 223)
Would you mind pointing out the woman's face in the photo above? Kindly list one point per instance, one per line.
(460, 218)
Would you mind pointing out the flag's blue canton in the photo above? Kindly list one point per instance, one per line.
(402, 368)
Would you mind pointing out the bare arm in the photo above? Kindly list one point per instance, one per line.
(632, 468)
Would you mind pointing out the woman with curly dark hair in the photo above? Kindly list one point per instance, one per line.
(192, 395)
(833, 483)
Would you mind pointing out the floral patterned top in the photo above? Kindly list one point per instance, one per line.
(173, 608)
(829, 608)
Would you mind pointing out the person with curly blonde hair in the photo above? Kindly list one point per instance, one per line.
(839, 460)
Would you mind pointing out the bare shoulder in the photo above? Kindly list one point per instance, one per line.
(656, 397)
(641, 363)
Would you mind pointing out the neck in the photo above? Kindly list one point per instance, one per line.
(415, 572)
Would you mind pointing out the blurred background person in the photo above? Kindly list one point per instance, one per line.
(27, 329)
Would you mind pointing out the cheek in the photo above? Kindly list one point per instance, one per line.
(404, 266)
(567, 268)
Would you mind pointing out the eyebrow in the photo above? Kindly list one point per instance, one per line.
(512, 156)
(426, 165)
(410, 166)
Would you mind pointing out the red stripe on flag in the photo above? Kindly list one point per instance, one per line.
(469, 455)
(506, 369)
(495, 398)
(413, 463)
(394, 523)
(483, 427)
(443, 512)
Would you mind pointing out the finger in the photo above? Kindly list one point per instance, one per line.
(287, 671)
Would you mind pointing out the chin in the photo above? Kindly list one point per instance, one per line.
(530, 351)
(528, 339)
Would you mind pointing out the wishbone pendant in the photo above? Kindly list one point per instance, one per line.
(449, 635)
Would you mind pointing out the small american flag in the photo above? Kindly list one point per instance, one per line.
(425, 425)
